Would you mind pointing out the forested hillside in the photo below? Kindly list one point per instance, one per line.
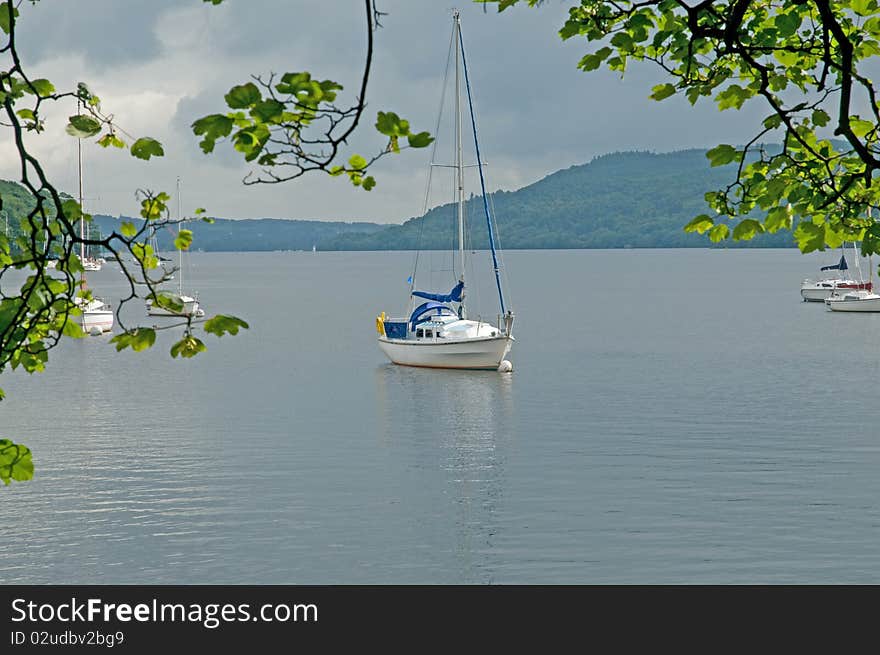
(621, 200)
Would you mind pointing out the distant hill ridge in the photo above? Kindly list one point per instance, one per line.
(618, 200)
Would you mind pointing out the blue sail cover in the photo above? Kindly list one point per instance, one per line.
(424, 308)
(839, 266)
(452, 296)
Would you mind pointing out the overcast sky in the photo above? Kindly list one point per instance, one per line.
(160, 64)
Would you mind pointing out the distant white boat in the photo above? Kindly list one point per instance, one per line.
(97, 313)
(854, 301)
(190, 307)
(190, 302)
(820, 290)
(438, 333)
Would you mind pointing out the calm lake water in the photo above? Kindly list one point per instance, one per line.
(675, 416)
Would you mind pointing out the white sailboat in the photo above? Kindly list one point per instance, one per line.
(839, 283)
(855, 300)
(438, 333)
(190, 304)
(97, 314)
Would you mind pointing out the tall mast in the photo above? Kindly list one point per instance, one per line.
(482, 177)
(459, 168)
(179, 252)
(82, 220)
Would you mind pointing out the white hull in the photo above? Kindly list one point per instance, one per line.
(820, 291)
(861, 302)
(190, 308)
(815, 295)
(98, 320)
(480, 353)
(97, 317)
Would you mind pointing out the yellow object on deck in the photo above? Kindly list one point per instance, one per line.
(380, 324)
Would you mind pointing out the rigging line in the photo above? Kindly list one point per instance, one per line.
(858, 257)
(503, 263)
(431, 166)
(453, 231)
(480, 169)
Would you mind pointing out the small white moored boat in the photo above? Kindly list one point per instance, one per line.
(854, 301)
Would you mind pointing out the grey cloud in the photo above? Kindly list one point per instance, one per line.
(537, 112)
(109, 33)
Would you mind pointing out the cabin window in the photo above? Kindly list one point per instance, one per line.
(420, 333)
(429, 334)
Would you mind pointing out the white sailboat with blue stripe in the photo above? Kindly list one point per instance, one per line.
(437, 332)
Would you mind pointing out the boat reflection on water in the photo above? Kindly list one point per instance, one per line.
(455, 430)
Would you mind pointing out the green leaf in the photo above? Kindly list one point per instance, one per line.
(860, 127)
(834, 237)
(215, 126)
(787, 24)
(772, 121)
(871, 240)
(243, 96)
(268, 111)
(420, 140)
(71, 209)
(747, 229)
(223, 324)
(137, 339)
(128, 229)
(732, 97)
(5, 18)
(388, 123)
(142, 338)
(810, 236)
(145, 147)
(183, 240)
(72, 329)
(722, 155)
(662, 91)
(43, 87)
(863, 7)
(872, 26)
(15, 459)
(778, 218)
(189, 346)
(82, 127)
(700, 224)
(170, 301)
(592, 61)
(356, 162)
(111, 139)
(719, 233)
(622, 41)
(820, 118)
(369, 182)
